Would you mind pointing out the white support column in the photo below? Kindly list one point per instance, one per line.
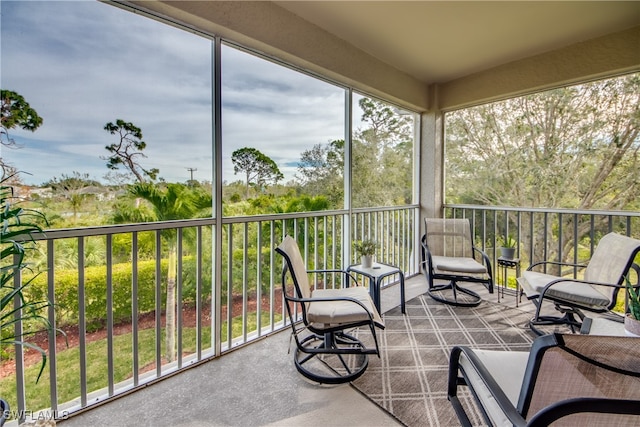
(432, 161)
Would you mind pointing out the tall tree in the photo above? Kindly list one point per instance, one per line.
(128, 150)
(321, 171)
(258, 168)
(382, 160)
(165, 203)
(15, 112)
(382, 156)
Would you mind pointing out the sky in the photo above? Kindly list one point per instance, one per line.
(82, 64)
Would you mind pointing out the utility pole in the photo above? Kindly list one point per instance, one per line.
(192, 170)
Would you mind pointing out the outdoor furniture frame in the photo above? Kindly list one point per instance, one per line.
(448, 254)
(580, 380)
(325, 352)
(597, 292)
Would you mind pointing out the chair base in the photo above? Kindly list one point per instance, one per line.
(435, 292)
(332, 358)
(568, 319)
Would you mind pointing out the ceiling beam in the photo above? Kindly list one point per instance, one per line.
(607, 56)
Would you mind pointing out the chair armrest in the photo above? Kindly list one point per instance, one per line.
(485, 257)
(490, 383)
(486, 261)
(425, 253)
(635, 267)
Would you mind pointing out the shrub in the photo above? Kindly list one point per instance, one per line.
(95, 279)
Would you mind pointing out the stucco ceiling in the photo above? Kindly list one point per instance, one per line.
(440, 41)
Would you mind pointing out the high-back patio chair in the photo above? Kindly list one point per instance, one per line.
(580, 380)
(326, 351)
(448, 254)
(597, 292)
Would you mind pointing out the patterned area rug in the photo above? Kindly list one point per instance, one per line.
(409, 380)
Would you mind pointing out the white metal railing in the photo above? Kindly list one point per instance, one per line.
(123, 291)
(568, 235)
(125, 287)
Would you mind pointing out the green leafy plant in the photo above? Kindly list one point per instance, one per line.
(365, 247)
(634, 300)
(16, 236)
(66, 296)
(507, 242)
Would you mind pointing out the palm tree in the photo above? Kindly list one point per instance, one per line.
(166, 202)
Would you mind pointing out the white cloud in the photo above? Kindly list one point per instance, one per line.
(83, 64)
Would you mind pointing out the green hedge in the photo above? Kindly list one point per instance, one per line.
(95, 279)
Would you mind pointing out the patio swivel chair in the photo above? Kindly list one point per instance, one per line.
(448, 254)
(574, 380)
(327, 352)
(597, 292)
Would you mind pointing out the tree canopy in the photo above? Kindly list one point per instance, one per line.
(259, 169)
(128, 150)
(73, 188)
(15, 112)
(574, 147)
(382, 161)
(320, 171)
(382, 156)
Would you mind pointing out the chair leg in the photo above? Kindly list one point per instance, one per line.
(332, 358)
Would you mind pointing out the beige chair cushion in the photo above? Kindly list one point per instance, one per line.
(458, 265)
(337, 312)
(507, 368)
(610, 259)
(533, 283)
